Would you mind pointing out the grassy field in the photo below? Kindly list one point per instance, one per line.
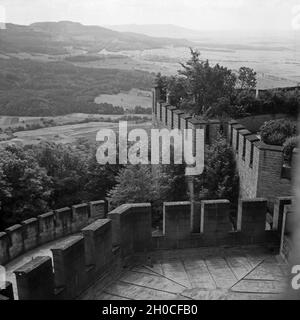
(69, 133)
(128, 100)
(12, 122)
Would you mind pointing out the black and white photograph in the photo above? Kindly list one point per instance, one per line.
(149, 152)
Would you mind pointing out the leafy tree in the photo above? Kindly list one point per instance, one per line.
(247, 78)
(276, 132)
(100, 179)
(206, 84)
(25, 188)
(67, 166)
(161, 82)
(177, 90)
(220, 177)
(135, 184)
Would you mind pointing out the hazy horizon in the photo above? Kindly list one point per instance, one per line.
(201, 15)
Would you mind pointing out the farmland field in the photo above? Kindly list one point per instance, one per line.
(69, 133)
(7, 121)
(128, 100)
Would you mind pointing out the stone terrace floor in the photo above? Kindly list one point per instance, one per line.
(197, 274)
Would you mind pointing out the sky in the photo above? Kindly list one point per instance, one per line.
(195, 14)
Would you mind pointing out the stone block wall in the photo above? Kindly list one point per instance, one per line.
(69, 266)
(98, 244)
(216, 227)
(100, 251)
(30, 233)
(260, 166)
(15, 240)
(131, 225)
(63, 222)
(35, 280)
(47, 227)
(106, 245)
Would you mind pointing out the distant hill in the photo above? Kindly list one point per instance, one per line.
(160, 30)
(54, 37)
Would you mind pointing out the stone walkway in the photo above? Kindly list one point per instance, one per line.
(194, 274)
(199, 274)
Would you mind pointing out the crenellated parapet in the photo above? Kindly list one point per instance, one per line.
(96, 254)
(102, 249)
(260, 166)
(217, 227)
(31, 233)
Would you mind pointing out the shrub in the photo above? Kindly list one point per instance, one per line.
(276, 132)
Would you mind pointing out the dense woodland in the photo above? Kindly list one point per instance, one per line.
(30, 88)
(38, 178)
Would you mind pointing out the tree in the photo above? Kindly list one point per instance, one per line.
(247, 78)
(206, 84)
(177, 90)
(161, 82)
(25, 188)
(135, 184)
(276, 132)
(220, 177)
(100, 179)
(67, 166)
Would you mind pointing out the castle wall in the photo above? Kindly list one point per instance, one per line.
(98, 209)
(271, 183)
(131, 226)
(16, 241)
(106, 245)
(81, 213)
(35, 280)
(215, 225)
(63, 222)
(47, 227)
(69, 266)
(260, 166)
(30, 233)
(98, 245)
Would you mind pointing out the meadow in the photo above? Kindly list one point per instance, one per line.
(69, 133)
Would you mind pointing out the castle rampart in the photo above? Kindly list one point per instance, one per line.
(105, 246)
(260, 166)
(47, 227)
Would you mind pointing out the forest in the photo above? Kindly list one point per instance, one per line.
(31, 88)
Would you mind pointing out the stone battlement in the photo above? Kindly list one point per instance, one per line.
(47, 227)
(106, 246)
(260, 166)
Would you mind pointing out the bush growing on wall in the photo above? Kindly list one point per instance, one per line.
(276, 132)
